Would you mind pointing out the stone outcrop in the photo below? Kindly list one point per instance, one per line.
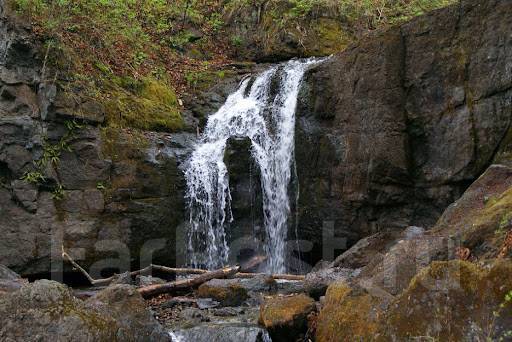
(394, 129)
(454, 301)
(396, 291)
(113, 198)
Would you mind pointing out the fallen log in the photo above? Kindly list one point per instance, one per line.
(170, 270)
(154, 290)
(253, 263)
(275, 276)
(145, 271)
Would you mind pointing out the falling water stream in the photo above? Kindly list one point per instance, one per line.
(262, 109)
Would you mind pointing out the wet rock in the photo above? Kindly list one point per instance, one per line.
(226, 292)
(246, 203)
(222, 333)
(180, 301)
(260, 283)
(26, 194)
(206, 303)
(116, 201)
(285, 317)
(226, 312)
(194, 316)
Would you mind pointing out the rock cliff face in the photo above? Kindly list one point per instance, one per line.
(65, 181)
(389, 133)
(394, 129)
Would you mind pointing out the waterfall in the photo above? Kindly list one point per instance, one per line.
(266, 116)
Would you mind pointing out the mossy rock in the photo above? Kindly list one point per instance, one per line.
(148, 104)
(225, 292)
(286, 317)
(348, 314)
(49, 312)
(454, 301)
(482, 217)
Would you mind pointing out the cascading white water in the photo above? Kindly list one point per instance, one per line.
(269, 121)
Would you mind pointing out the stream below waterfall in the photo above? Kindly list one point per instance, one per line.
(263, 110)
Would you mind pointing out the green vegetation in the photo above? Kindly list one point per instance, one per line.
(124, 54)
(137, 57)
(51, 157)
(372, 14)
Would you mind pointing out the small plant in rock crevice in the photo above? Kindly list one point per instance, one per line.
(507, 334)
(58, 192)
(51, 157)
(33, 177)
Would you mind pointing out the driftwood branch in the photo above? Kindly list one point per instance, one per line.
(155, 290)
(275, 276)
(204, 276)
(146, 270)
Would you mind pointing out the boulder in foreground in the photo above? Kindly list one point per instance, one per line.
(285, 317)
(47, 311)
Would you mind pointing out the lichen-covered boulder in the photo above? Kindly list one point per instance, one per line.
(482, 218)
(125, 305)
(454, 301)
(285, 317)
(348, 314)
(228, 292)
(47, 311)
(449, 300)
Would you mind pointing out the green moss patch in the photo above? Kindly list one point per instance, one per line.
(148, 104)
(453, 301)
(347, 315)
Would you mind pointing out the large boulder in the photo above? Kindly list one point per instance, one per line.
(393, 129)
(125, 305)
(286, 317)
(454, 301)
(46, 310)
(481, 219)
(450, 300)
(228, 292)
(348, 314)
